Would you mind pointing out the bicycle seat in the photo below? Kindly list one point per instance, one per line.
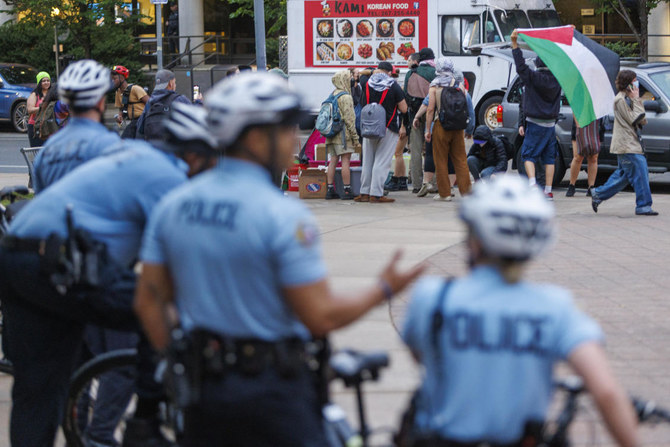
(8, 191)
(355, 367)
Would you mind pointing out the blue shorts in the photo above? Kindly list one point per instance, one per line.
(539, 144)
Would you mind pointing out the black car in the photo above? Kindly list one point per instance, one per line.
(654, 90)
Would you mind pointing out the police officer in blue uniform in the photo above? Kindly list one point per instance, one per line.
(249, 283)
(489, 341)
(82, 86)
(46, 305)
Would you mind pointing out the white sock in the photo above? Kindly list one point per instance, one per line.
(531, 181)
(547, 189)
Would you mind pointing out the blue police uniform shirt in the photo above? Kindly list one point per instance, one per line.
(498, 344)
(231, 242)
(81, 140)
(112, 196)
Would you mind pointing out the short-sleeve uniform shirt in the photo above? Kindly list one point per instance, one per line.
(498, 346)
(231, 242)
(135, 106)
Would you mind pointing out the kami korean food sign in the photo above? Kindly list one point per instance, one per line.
(364, 32)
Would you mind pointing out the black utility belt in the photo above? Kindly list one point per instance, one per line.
(440, 442)
(218, 355)
(30, 245)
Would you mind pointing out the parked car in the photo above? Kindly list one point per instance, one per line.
(655, 91)
(17, 81)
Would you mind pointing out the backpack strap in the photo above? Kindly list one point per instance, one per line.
(381, 101)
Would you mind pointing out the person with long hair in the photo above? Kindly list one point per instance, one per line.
(33, 105)
(629, 117)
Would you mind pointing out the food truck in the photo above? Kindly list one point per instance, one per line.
(325, 36)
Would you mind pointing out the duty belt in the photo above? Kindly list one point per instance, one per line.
(31, 245)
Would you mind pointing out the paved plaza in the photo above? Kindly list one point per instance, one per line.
(614, 262)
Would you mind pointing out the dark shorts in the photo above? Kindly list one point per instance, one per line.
(539, 144)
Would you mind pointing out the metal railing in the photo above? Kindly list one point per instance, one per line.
(211, 49)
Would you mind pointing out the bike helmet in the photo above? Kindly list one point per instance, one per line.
(186, 130)
(511, 219)
(120, 69)
(83, 84)
(250, 99)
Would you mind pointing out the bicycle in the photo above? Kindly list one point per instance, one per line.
(352, 367)
(556, 434)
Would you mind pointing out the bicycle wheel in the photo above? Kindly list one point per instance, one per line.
(83, 394)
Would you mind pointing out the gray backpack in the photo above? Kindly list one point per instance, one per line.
(373, 117)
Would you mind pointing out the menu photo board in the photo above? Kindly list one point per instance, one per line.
(363, 32)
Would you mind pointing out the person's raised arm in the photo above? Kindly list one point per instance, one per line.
(590, 362)
(321, 311)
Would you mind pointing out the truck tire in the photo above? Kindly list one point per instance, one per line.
(487, 112)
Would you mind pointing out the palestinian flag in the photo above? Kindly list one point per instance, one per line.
(585, 69)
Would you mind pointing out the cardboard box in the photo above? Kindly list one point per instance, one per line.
(313, 184)
(320, 152)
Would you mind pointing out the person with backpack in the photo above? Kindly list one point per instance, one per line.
(449, 113)
(342, 140)
(541, 105)
(33, 105)
(417, 84)
(130, 99)
(489, 341)
(383, 121)
(52, 116)
(487, 155)
(150, 123)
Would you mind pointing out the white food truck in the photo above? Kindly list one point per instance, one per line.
(325, 36)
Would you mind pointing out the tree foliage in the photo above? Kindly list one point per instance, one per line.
(275, 22)
(87, 29)
(630, 10)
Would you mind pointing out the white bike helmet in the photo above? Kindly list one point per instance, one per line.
(83, 84)
(250, 99)
(186, 129)
(511, 219)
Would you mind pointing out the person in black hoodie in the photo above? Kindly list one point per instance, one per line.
(487, 155)
(150, 123)
(541, 104)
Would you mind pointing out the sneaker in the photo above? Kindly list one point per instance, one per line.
(382, 199)
(432, 189)
(648, 213)
(362, 198)
(442, 199)
(391, 184)
(549, 196)
(571, 191)
(402, 183)
(332, 194)
(348, 195)
(588, 191)
(144, 433)
(415, 190)
(594, 204)
(423, 191)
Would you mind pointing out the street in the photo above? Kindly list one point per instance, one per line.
(614, 262)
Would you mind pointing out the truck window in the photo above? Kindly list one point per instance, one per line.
(491, 34)
(459, 32)
(515, 18)
(542, 18)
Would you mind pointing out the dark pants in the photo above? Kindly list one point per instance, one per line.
(261, 411)
(428, 161)
(42, 336)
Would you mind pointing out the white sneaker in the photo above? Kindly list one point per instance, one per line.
(442, 199)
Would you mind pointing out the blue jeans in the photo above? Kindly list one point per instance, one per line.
(539, 144)
(477, 168)
(632, 169)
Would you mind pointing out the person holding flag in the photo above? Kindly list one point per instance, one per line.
(541, 104)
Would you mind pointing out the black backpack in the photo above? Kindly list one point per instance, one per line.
(453, 114)
(152, 126)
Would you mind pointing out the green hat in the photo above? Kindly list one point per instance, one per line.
(41, 75)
